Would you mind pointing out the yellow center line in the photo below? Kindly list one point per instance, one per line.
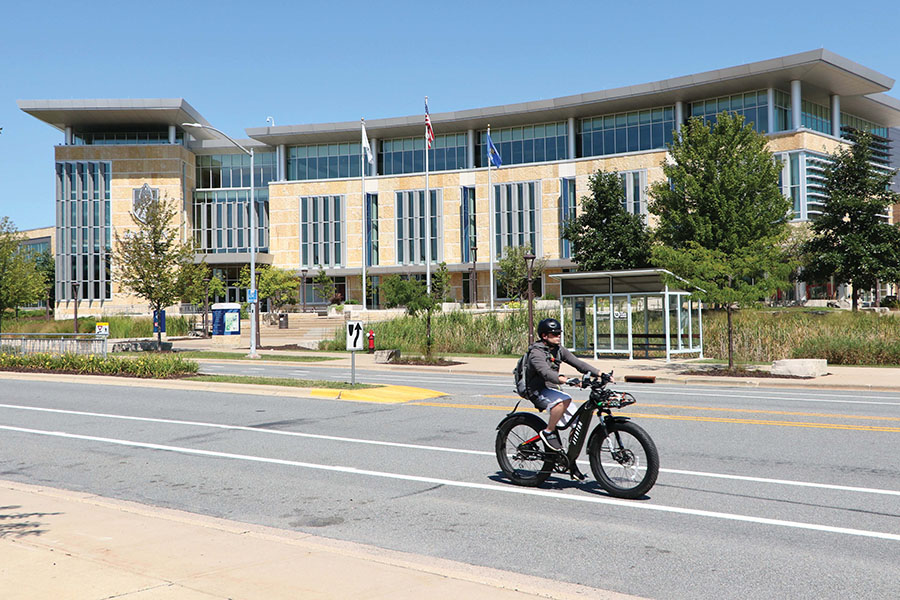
(753, 410)
(692, 418)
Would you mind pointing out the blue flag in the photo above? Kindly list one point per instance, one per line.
(493, 155)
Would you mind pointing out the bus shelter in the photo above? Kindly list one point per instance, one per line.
(629, 312)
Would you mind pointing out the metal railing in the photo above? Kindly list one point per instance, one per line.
(53, 343)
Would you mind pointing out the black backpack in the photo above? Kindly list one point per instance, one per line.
(520, 376)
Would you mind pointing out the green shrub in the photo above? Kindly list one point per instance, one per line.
(119, 327)
(155, 366)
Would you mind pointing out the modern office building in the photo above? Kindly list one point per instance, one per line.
(309, 201)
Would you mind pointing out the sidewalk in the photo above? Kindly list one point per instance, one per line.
(56, 544)
(883, 379)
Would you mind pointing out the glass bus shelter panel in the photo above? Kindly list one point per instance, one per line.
(690, 324)
(579, 325)
(620, 323)
(647, 324)
(604, 323)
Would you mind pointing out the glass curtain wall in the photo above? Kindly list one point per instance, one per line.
(528, 144)
(467, 223)
(753, 106)
(83, 231)
(517, 216)
(410, 226)
(626, 132)
(325, 161)
(322, 231)
(407, 155)
(221, 221)
(566, 212)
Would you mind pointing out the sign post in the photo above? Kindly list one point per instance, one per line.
(354, 342)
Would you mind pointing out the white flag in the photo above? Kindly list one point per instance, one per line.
(365, 144)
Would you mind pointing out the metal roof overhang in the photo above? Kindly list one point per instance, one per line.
(822, 73)
(636, 281)
(110, 112)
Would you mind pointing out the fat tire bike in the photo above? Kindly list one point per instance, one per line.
(623, 457)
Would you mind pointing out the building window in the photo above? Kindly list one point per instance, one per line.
(221, 221)
(125, 138)
(626, 132)
(566, 213)
(325, 161)
(815, 117)
(322, 231)
(753, 106)
(517, 209)
(468, 238)
(216, 171)
(407, 155)
(528, 144)
(850, 123)
(410, 222)
(782, 111)
(802, 179)
(634, 184)
(83, 231)
(371, 229)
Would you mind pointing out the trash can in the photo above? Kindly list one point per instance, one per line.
(283, 321)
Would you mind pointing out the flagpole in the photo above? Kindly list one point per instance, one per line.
(427, 214)
(490, 220)
(362, 166)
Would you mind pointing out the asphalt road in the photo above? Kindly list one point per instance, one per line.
(762, 493)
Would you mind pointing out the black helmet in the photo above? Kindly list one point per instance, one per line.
(548, 326)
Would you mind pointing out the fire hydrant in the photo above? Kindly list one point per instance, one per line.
(371, 337)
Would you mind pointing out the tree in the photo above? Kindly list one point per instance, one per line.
(852, 241)
(195, 285)
(149, 260)
(46, 265)
(513, 272)
(722, 216)
(604, 236)
(21, 282)
(414, 296)
(324, 286)
(279, 285)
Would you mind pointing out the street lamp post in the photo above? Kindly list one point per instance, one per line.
(303, 272)
(529, 260)
(254, 302)
(75, 286)
(474, 281)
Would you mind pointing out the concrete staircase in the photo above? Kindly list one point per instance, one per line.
(304, 329)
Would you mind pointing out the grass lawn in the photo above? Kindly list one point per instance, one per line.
(285, 382)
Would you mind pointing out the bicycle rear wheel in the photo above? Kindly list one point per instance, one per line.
(625, 461)
(520, 451)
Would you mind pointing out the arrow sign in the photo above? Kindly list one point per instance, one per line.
(355, 335)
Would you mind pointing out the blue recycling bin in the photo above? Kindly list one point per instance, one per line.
(226, 318)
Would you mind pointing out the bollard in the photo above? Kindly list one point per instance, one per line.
(371, 337)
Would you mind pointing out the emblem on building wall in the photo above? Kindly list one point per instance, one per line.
(141, 200)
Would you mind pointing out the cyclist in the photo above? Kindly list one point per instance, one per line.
(544, 358)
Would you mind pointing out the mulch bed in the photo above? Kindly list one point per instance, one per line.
(434, 362)
(720, 372)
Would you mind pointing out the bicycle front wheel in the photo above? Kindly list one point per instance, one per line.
(625, 461)
(520, 452)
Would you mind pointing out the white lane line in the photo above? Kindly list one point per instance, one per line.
(255, 369)
(826, 486)
(469, 485)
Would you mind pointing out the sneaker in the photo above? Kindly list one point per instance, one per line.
(551, 440)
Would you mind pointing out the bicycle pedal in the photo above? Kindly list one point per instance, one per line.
(577, 476)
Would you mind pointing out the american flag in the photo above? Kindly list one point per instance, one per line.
(429, 132)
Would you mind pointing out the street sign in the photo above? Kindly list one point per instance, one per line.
(355, 335)
(101, 329)
(252, 295)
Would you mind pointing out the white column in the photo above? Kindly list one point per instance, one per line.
(281, 157)
(836, 115)
(770, 108)
(171, 134)
(68, 134)
(470, 143)
(796, 120)
(373, 144)
(571, 138)
(679, 115)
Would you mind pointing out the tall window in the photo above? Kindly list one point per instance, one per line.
(754, 106)
(467, 223)
(635, 186)
(410, 222)
(531, 143)
(221, 222)
(517, 216)
(626, 132)
(83, 232)
(407, 155)
(815, 116)
(782, 111)
(371, 229)
(566, 213)
(322, 231)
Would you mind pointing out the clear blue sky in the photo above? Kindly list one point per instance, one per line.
(313, 62)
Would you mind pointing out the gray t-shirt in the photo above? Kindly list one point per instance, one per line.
(543, 365)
